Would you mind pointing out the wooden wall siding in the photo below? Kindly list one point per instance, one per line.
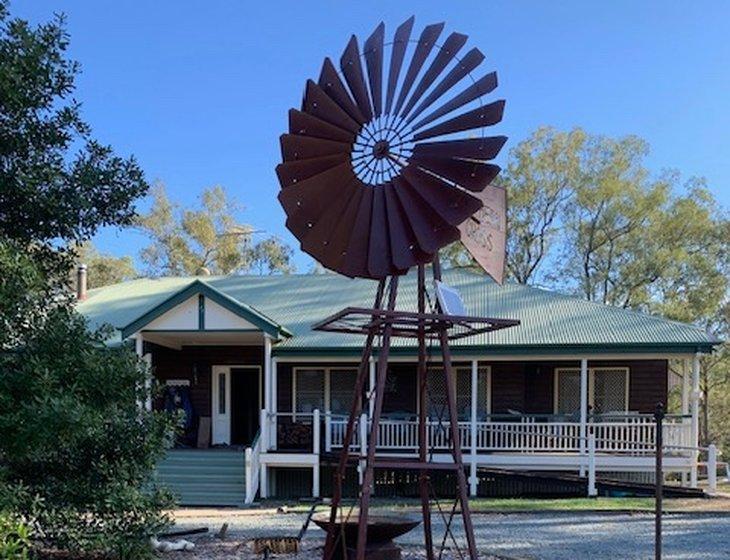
(178, 364)
(508, 387)
(523, 386)
(648, 383)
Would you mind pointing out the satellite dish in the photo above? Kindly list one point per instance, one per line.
(375, 178)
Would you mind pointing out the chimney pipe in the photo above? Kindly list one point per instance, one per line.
(81, 283)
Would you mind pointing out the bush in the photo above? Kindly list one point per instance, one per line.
(77, 449)
(14, 538)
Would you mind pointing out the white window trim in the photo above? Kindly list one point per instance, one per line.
(591, 383)
(326, 371)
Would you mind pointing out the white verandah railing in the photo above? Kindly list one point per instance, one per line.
(253, 468)
(633, 434)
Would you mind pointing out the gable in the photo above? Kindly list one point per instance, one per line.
(200, 307)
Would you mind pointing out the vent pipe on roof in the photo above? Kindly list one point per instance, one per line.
(81, 281)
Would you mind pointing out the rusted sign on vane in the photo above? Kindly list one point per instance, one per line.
(484, 234)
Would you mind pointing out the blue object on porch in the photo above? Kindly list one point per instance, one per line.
(204, 477)
(178, 398)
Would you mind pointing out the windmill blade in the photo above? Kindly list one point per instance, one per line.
(355, 263)
(329, 81)
(374, 61)
(318, 104)
(295, 147)
(318, 239)
(304, 202)
(452, 204)
(431, 231)
(481, 149)
(471, 175)
(339, 240)
(478, 118)
(400, 43)
(481, 87)
(293, 172)
(472, 59)
(446, 54)
(380, 262)
(403, 243)
(305, 124)
(352, 69)
(425, 43)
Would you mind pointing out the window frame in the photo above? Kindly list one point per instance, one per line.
(326, 386)
(591, 385)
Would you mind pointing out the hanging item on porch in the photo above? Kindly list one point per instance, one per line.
(382, 166)
(373, 179)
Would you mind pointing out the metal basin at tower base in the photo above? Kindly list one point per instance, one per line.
(382, 529)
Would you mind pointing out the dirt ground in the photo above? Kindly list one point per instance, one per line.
(211, 548)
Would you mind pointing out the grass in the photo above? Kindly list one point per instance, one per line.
(506, 505)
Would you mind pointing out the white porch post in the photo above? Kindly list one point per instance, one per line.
(268, 395)
(363, 427)
(274, 405)
(695, 410)
(264, 481)
(712, 468)
(473, 481)
(685, 386)
(592, 490)
(315, 449)
(371, 386)
(139, 349)
(583, 410)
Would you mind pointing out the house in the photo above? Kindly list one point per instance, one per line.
(572, 389)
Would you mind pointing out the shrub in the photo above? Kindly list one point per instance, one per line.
(77, 448)
(14, 538)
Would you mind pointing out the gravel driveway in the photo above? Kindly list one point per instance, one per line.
(546, 536)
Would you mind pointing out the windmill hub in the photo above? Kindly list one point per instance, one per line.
(381, 149)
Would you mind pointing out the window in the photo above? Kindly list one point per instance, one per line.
(222, 393)
(608, 390)
(568, 391)
(324, 389)
(342, 390)
(437, 406)
(308, 390)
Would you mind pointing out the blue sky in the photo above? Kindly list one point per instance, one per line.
(199, 91)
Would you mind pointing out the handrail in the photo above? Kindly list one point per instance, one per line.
(253, 467)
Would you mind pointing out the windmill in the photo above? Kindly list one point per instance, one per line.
(386, 162)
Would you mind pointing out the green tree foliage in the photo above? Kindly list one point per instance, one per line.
(585, 216)
(540, 178)
(206, 239)
(77, 447)
(58, 184)
(103, 269)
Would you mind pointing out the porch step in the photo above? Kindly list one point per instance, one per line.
(204, 477)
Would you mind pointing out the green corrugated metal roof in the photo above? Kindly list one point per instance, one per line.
(550, 322)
